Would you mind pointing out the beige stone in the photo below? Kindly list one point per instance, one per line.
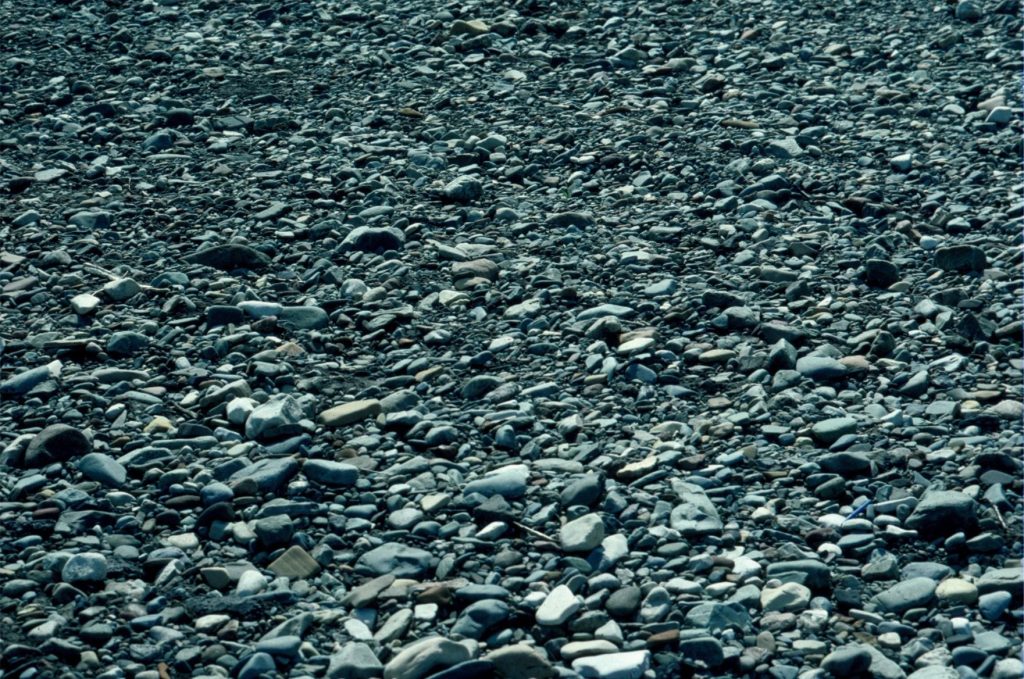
(295, 563)
(957, 591)
(350, 413)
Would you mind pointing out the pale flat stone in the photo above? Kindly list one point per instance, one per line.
(350, 413)
(84, 304)
(560, 605)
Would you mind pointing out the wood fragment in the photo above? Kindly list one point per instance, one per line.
(100, 271)
(741, 124)
(534, 533)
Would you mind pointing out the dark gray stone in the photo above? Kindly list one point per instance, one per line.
(230, 256)
(714, 617)
(961, 258)
(846, 662)
(56, 443)
(940, 513)
(374, 239)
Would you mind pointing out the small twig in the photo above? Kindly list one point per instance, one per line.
(99, 270)
(93, 268)
(180, 409)
(999, 515)
(534, 533)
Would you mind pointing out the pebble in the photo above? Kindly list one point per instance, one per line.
(628, 665)
(559, 605)
(392, 558)
(425, 657)
(942, 513)
(84, 568)
(56, 443)
(582, 534)
(902, 596)
(350, 413)
(957, 591)
(846, 662)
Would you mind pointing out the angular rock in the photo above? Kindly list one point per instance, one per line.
(961, 258)
(940, 513)
(908, 594)
(84, 568)
(329, 473)
(695, 515)
(295, 563)
(277, 418)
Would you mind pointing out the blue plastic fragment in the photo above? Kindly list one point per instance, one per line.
(858, 510)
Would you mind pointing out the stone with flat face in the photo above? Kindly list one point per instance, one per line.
(559, 605)
(425, 657)
(350, 413)
(628, 665)
(393, 558)
(941, 513)
(295, 563)
(582, 534)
